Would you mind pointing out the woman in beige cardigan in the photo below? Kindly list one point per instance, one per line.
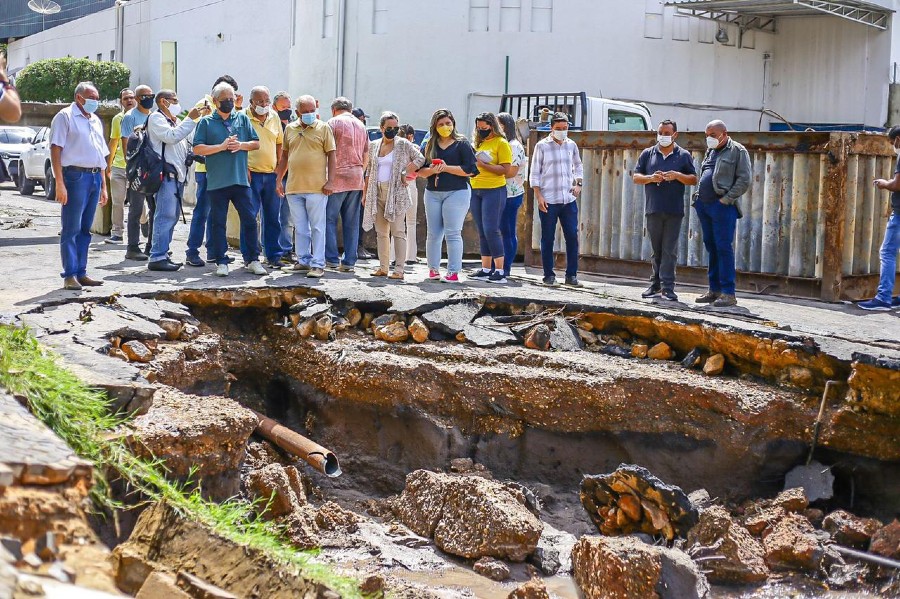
(385, 198)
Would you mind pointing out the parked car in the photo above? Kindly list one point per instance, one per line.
(13, 141)
(585, 113)
(375, 133)
(34, 166)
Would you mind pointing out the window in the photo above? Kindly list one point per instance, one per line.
(653, 26)
(112, 55)
(510, 15)
(99, 56)
(542, 16)
(328, 18)
(619, 120)
(681, 28)
(706, 31)
(478, 15)
(379, 17)
(168, 65)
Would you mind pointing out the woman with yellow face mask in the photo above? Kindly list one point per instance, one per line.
(450, 162)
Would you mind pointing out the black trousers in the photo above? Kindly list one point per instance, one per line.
(663, 229)
(135, 209)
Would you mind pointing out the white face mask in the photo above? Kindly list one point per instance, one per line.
(175, 109)
(560, 135)
(261, 110)
(664, 140)
(712, 143)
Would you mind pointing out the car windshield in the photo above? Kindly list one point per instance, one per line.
(14, 136)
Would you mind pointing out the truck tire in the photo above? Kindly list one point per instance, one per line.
(26, 185)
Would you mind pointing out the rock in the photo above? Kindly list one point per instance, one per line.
(272, 486)
(736, 557)
(418, 330)
(533, 589)
(564, 337)
(131, 567)
(815, 516)
(331, 516)
(340, 325)
(387, 319)
(816, 480)
(306, 328)
(615, 350)
(714, 365)
(848, 529)
(485, 331)
(624, 567)
(546, 560)
(61, 572)
(791, 500)
(797, 376)
(189, 332)
(323, 326)
(172, 327)
(392, 333)
(792, 544)
(161, 586)
(200, 589)
(115, 352)
(584, 325)
(452, 319)
(12, 546)
(533, 308)
(639, 350)
(758, 522)
(47, 545)
(660, 351)
(492, 568)
(373, 586)
(587, 337)
(137, 351)
(886, 541)
(468, 516)
(693, 358)
(302, 529)
(303, 305)
(366, 322)
(538, 338)
(354, 316)
(470, 468)
(700, 499)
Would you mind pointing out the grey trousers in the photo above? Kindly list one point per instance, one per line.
(663, 229)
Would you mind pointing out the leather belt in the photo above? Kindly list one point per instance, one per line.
(83, 169)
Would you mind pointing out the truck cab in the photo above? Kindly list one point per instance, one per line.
(586, 113)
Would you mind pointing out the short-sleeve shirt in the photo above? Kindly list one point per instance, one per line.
(500, 153)
(270, 135)
(516, 186)
(459, 153)
(115, 132)
(895, 196)
(668, 196)
(351, 141)
(199, 167)
(307, 151)
(133, 119)
(224, 169)
(706, 191)
(80, 137)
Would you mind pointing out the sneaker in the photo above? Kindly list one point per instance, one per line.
(315, 273)
(135, 253)
(895, 301)
(496, 277)
(113, 239)
(194, 261)
(480, 274)
(875, 305)
(668, 294)
(652, 291)
(725, 300)
(256, 268)
(573, 282)
(549, 281)
(434, 275)
(222, 270)
(708, 297)
(332, 265)
(451, 277)
(298, 266)
(346, 268)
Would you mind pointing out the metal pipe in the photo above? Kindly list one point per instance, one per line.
(867, 557)
(818, 423)
(311, 452)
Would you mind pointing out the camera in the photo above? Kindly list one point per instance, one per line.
(191, 158)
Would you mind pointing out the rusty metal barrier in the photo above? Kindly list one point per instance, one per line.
(813, 222)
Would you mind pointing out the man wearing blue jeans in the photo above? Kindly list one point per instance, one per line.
(78, 154)
(556, 176)
(724, 177)
(351, 152)
(891, 244)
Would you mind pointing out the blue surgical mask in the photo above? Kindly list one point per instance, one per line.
(90, 106)
(308, 118)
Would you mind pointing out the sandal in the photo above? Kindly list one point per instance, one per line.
(398, 276)
(380, 273)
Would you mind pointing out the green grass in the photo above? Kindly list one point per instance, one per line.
(81, 417)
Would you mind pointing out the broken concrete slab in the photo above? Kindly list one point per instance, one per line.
(484, 331)
(453, 318)
(564, 337)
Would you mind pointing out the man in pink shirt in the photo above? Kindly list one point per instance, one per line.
(352, 144)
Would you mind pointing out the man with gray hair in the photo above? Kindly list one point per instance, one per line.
(225, 138)
(352, 145)
(282, 105)
(78, 154)
(724, 177)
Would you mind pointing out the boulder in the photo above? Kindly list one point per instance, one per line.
(533, 589)
(394, 332)
(848, 529)
(758, 522)
(189, 332)
(272, 486)
(323, 327)
(468, 516)
(137, 351)
(538, 338)
(660, 351)
(492, 568)
(563, 337)
(417, 330)
(172, 327)
(714, 365)
(626, 568)
(354, 316)
(733, 555)
(792, 544)
(792, 500)
(886, 541)
(639, 350)
(306, 328)
(331, 516)
(366, 322)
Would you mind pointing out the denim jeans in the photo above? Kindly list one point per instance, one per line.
(268, 205)
(718, 223)
(445, 213)
(889, 248)
(200, 224)
(487, 209)
(344, 204)
(285, 240)
(308, 213)
(242, 199)
(168, 200)
(77, 218)
(508, 229)
(567, 216)
(664, 229)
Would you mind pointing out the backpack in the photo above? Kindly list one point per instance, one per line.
(144, 168)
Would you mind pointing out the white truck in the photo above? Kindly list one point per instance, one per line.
(585, 113)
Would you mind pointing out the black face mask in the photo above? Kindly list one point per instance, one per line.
(147, 103)
(226, 106)
(391, 132)
(285, 115)
(483, 133)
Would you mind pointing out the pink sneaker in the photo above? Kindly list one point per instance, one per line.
(451, 277)
(433, 274)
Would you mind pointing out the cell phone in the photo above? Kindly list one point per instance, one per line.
(436, 161)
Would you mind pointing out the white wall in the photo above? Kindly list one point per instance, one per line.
(87, 36)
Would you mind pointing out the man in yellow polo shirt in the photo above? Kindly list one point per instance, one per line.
(262, 163)
(116, 168)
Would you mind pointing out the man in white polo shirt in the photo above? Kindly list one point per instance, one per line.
(78, 154)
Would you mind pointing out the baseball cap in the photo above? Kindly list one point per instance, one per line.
(359, 113)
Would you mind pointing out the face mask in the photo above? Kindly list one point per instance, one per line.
(483, 133)
(90, 106)
(445, 130)
(147, 103)
(175, 109)
(261, 110)
(712, 143)
(308, 118)
(664, 140)
(391, 132)
(284, 115)
(226, 106)
(560, 135)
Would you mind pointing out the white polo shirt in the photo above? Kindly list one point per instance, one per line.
(80, 137)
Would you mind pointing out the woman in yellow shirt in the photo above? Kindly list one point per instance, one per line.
(493, 156)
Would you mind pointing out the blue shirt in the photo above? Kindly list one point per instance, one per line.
(133, 118)
(224, 169)
(705, 189)
(667, 196)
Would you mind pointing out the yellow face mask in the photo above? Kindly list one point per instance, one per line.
(445, 130)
